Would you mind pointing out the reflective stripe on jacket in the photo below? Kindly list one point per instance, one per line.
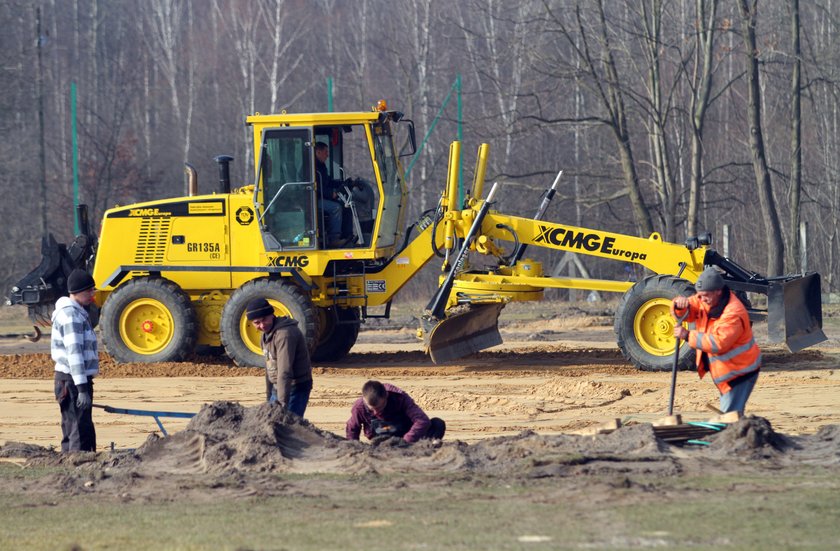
(727, 341)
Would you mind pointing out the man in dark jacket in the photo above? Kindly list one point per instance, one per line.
(288, 372)
(385, 410)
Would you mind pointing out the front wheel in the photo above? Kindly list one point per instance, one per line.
(149, 319)
(339, 331)
(644, 325)
(239, 336)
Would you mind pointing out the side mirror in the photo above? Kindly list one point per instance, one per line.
(412, 140)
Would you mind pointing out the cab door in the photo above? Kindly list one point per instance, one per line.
(284, 197)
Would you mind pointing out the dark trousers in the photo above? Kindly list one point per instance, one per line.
(77, 430)
(298, 397)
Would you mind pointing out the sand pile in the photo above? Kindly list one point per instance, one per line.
(226, 437)
(227, 440)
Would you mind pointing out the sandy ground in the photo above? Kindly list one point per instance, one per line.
(572, 380)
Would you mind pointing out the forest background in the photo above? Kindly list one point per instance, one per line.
(678, 117)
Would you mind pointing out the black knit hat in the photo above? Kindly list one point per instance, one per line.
(79, 281)
(258, 308)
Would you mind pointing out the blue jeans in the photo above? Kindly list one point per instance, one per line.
(736, 399)
(298, 397)
(334, 210)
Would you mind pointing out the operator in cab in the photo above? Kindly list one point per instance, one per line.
(329, 197)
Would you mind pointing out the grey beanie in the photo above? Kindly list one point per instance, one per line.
(709, 280)
(258, 308)
(79, 281)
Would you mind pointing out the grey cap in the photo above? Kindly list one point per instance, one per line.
(709, 280)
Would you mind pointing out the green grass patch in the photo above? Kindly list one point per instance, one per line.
(441, 513)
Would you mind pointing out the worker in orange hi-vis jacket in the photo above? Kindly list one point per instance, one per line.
(723, 338)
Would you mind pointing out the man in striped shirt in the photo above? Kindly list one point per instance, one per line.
(76, 357)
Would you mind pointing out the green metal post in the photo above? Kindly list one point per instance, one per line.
(329, 95)
(75, 155)
(432, 127)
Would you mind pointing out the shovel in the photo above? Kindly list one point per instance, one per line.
(674, 367)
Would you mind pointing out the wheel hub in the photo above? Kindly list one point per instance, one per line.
(146, 326)
(654, 327)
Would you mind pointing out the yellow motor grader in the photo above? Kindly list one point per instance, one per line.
(176, 273)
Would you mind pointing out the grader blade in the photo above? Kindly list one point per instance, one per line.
(794, 312)
(474, 328)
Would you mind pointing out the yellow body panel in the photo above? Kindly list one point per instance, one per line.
(653, 253)
(191, 231)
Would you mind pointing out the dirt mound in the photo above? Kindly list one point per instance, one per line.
(233, 447)
(41, 366)
(24, 450)
(750, 437)
(225, 436)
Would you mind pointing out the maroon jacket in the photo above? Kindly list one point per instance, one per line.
(401, 417)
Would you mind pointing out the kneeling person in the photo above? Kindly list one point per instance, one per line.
(288, 371)
(385, 410)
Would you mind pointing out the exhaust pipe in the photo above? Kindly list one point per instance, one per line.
(224, 172)
(192, 179)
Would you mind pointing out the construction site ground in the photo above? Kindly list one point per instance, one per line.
(515, 470)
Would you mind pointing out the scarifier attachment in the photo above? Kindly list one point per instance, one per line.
(41, 287)
(794, 311)
(468, 329)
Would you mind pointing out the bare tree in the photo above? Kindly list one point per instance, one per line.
(285, 33)
(706, 16)
(795, 192)
(773, 232)
(596, 54)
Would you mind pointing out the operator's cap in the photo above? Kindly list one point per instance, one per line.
(258, 308)
(79, 281)
(709, 280)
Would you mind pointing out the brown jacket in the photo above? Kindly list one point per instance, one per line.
(286, 357)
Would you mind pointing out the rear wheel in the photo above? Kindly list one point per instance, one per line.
(644, 325)
(149, 319)
(339, 331)
(239, 336)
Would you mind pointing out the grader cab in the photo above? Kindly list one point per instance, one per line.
(176, 273)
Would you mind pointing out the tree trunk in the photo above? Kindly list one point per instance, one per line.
(795, 141)
(700, 99)
(773, 233)
(615, 103)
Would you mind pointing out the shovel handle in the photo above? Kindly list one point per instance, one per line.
(674, 367)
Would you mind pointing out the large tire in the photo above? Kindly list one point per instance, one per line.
(149, 319)
(239, 336)
(336, 338)
(644, 325)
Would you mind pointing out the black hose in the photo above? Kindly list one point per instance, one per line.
(438, 217)
(509, 260)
